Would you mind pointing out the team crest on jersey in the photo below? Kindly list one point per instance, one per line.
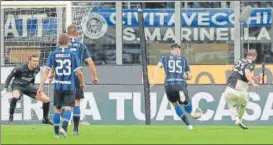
(94, 25)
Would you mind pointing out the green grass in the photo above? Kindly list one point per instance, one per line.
(40, 134)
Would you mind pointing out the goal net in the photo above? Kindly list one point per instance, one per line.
(32, 27)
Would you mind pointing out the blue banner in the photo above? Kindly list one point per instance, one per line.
(189, 18)
(215, 18)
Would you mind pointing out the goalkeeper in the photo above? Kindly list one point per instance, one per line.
(23, 83)
(84, 56)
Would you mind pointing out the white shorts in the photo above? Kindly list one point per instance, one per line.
(234, 97)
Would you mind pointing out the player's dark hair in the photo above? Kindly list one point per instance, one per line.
(33, 56)
(72, 29)
(63, 39)
(175, 45)
(252, 52)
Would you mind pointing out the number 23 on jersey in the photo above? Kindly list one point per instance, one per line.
(63, 67)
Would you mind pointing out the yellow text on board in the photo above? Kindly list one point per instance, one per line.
(212, 74)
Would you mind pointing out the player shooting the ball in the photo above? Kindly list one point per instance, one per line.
(236, 93)
(177, 71)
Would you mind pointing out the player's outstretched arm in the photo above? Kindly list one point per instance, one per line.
(78, 70)
(93, 69)
(250, 76)
(89, 61)
(10, 76)
(188, 75)
(156, 70)
(7, 82)
(51, 75)
(81, 77)
(43, 79)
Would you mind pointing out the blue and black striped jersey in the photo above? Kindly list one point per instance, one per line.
(80, 49)
(175, 66)
(65, 63)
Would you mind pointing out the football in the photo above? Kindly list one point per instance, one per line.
(196, 113)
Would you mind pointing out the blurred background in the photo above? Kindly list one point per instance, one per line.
(207, 32)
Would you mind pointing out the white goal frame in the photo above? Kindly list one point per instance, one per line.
(36, 4)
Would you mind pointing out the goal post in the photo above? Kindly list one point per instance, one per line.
(37, 23)
(31, 27)
(41, 4)
(26, 11)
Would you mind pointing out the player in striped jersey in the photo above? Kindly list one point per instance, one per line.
(65, 63)
(84, 56)
(177, 73)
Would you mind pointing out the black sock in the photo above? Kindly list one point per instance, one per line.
(66, 117)
(76, 121)
(185, 120)
(76, 117)
(65, 125)
(12, 107)
(56, 129)
(46, 109)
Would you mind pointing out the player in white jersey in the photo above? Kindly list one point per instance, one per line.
(236, 93)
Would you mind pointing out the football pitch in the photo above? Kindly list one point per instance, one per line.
(137, 134)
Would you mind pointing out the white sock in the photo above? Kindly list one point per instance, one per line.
(190, 127)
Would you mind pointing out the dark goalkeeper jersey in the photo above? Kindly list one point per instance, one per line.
(22, 76)
(238, 72)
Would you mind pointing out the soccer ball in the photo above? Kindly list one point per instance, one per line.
(196, 113)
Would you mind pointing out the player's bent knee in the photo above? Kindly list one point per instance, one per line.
(68, 108)
(175, 104)
(59, 111)
(188, 107)
(179, 111)
(43, 99)
(77, 102)
(16, 94)
(243, 101)
(46, 99)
